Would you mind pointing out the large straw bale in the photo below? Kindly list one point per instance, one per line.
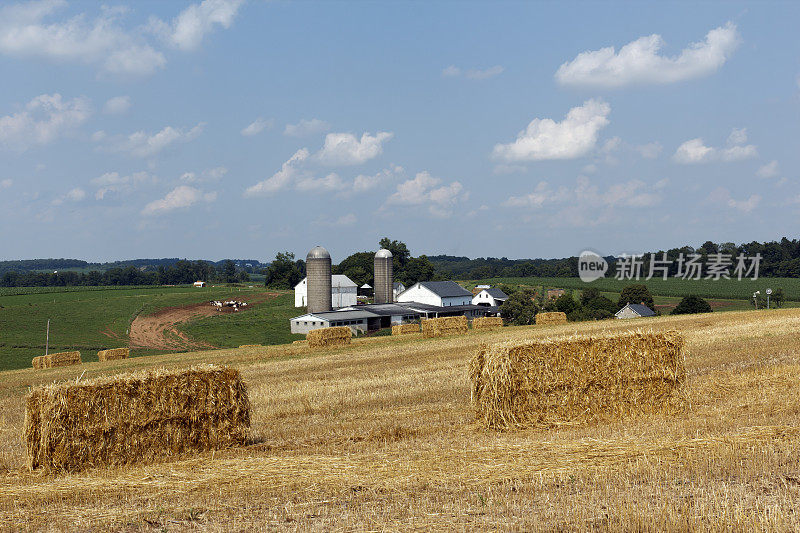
(337, 336)
(449, 325)
(112, 354)
(300, 342)
(405, 329)
(487, 322)
(61, 359)
(127, 418)
(551, 318)
(251, 346)
(38, 361)
(573, 380)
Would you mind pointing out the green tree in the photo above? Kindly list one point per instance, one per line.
(691, 304)
(417, 269)
(589, 294)
(520, 308)
(778, 298)
(358, 267)
(400, 252)
(229, 272)
(635, 294)
(283, 272)
(566, 303)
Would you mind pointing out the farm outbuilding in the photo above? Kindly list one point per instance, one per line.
(438, 293)
(634, 311)
(344, 292)
(491, 297)
(199, 283)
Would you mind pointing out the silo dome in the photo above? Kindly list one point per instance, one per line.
(383, 253)
(318, 252)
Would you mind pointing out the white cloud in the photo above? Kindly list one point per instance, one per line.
(330, 183)
(540, 195)
(102, 42)
(364, 183)
(117, 105)
(770, 170)
(424, 189)
(187, 30)
(257, 127)
(113, 182)
(75, 195)
(584, 195)
(571, 138)
(722, 196)
(650, 150)
(695, 151)
(288, 173)
(639, 62)
(180, 197)
(473, 74)
(342, 149)
(143, 144)
(5, 184)
(212, 174)
(44, 119)
(305, 128)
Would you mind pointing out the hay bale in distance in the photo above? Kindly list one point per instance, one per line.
(128, 418)
(38, 362)
(113, 354)
(250, 346)
(300, 342)
(336, 336)
(573, 380)
(551, 318)
(61, 359)
(487, 322)
(449, 325)
(405, 329)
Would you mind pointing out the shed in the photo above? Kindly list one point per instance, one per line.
(634, 311)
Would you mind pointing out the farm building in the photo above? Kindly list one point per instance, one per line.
(634, 311)
(365, 290)
(490, 297)
(343, 292)
(199, 283)
(355, 320)
(397, 288)
(436, 293)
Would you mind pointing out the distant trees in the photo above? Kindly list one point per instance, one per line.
(636, 294)
(520, 309)
(229, 271)
(691, 304)
(359, 266)
(284, 272)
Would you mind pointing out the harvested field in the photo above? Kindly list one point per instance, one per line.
(487, 322)
(336, 336)
(113, 354)
(576, 379)
(405, 329)
(250, 346)
(450, 325)
(381, 435)
(551, 318)
(131, 418)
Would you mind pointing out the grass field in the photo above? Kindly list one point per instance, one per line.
(99, 318)
(381, 436)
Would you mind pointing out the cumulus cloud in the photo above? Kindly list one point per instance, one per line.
(209, 175)
(114, 183)
(187, 30)
(256, 127)
(633, 194)
(544, 139)
(44, 119)
(305, 128)
(289, 172)
(695, 151)
(427, 190)
(143, 144)
(722, 196)
(117, 105)
(26, 31)
(344, 149)
(364, 182)
(770, 170)
(639, 62)
(75, 195)
(180, 197)
(472, 74)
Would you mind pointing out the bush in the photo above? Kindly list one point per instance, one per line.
(692, 304)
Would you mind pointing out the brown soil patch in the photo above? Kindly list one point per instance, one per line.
(159, 331)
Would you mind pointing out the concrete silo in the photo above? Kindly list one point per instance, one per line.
(384, 277)
(318, 270)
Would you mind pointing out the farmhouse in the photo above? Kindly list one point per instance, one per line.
(490, 297)
(199, 283)
(436, 293)
(634, 311)
(343, 292)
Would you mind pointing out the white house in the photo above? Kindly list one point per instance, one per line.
(199, 283)
(344, 292)
(490, 298)
(440, 293)
(634, 311)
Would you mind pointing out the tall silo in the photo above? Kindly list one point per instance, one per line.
(384, 277)
(318, 270)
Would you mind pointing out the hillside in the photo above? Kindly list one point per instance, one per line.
(381, 435)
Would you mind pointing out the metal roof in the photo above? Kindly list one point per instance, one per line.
(384, 309)
(337, 280)
(496, 293)
(445, 289)
(639, 309)
(318, 252)
(383, 253)
(331, 316)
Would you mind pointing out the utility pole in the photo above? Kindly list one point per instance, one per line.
(47, 342)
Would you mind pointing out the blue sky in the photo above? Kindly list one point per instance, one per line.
(226, 128)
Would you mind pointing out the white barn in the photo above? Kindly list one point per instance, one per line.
(397, 288)
(439, 293)
(344, 292)
(490, 298)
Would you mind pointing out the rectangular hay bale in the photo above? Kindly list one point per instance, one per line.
(487, 322)
(573, 380)
(336, 336)
(38, 362)
(117, 420)
(405, 329)
(551, 318)
(113, 354)
(250, 346)
(449, 325)
(54, 360)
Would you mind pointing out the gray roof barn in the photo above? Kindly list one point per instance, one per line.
(633, 310)
(445, 289)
